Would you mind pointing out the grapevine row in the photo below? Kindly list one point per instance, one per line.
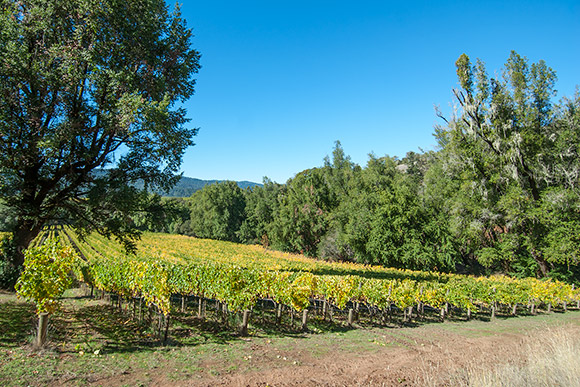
(155, 276)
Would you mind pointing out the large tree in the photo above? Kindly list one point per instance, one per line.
(514, 154)
(217, 211)
(86, 84)
(301, 217)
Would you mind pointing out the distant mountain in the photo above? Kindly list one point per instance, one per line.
(186, 186)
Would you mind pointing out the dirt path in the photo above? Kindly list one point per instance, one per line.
(427, 355)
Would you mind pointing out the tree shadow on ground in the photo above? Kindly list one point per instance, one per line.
(120, 332)
(103, 326)
(16, 323)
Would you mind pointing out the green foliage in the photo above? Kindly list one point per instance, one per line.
(560, 213)
(261, 205)
(162, 214)
(7, 218)
(81, 81)
(8, 273)
(385, 219)
(301, 218)
(217, 211)
(46, 274)
(512, 153)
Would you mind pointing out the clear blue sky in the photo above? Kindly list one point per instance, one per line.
(283, 80)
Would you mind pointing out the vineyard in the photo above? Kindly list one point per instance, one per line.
(169, 272)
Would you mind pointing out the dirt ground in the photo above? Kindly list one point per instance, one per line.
(433, 355)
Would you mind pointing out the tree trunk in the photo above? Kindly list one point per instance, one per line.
(542, 263)
(24, 234)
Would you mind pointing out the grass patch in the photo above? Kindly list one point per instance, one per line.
(553, 360)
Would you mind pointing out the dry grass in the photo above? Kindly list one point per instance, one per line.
(553, 359)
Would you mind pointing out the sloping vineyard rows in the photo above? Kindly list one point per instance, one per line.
(160, 270)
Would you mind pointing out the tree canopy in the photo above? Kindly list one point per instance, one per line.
(86, 84)
(513, 153)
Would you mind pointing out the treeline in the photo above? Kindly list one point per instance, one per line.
(500, 194)
(340, 211)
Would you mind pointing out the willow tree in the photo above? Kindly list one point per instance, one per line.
(514, 152)
(87, 84)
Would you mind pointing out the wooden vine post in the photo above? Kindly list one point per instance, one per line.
(420, 304)
(305, 319)
(159, 322)
(245, 321)
(166, 329)
(350, 317)
(493, 306)
(140, 309)
(200, 307)
(42, 329)
(224, 312)
(279, 314)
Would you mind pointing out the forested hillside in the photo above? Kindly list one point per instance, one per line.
(187, 186)
(500, 193)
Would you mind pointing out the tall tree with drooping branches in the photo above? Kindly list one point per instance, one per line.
(514, 153)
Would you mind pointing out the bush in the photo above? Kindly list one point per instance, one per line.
(46, 274)
(8, 273)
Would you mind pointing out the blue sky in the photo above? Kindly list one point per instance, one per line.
(283, 80)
